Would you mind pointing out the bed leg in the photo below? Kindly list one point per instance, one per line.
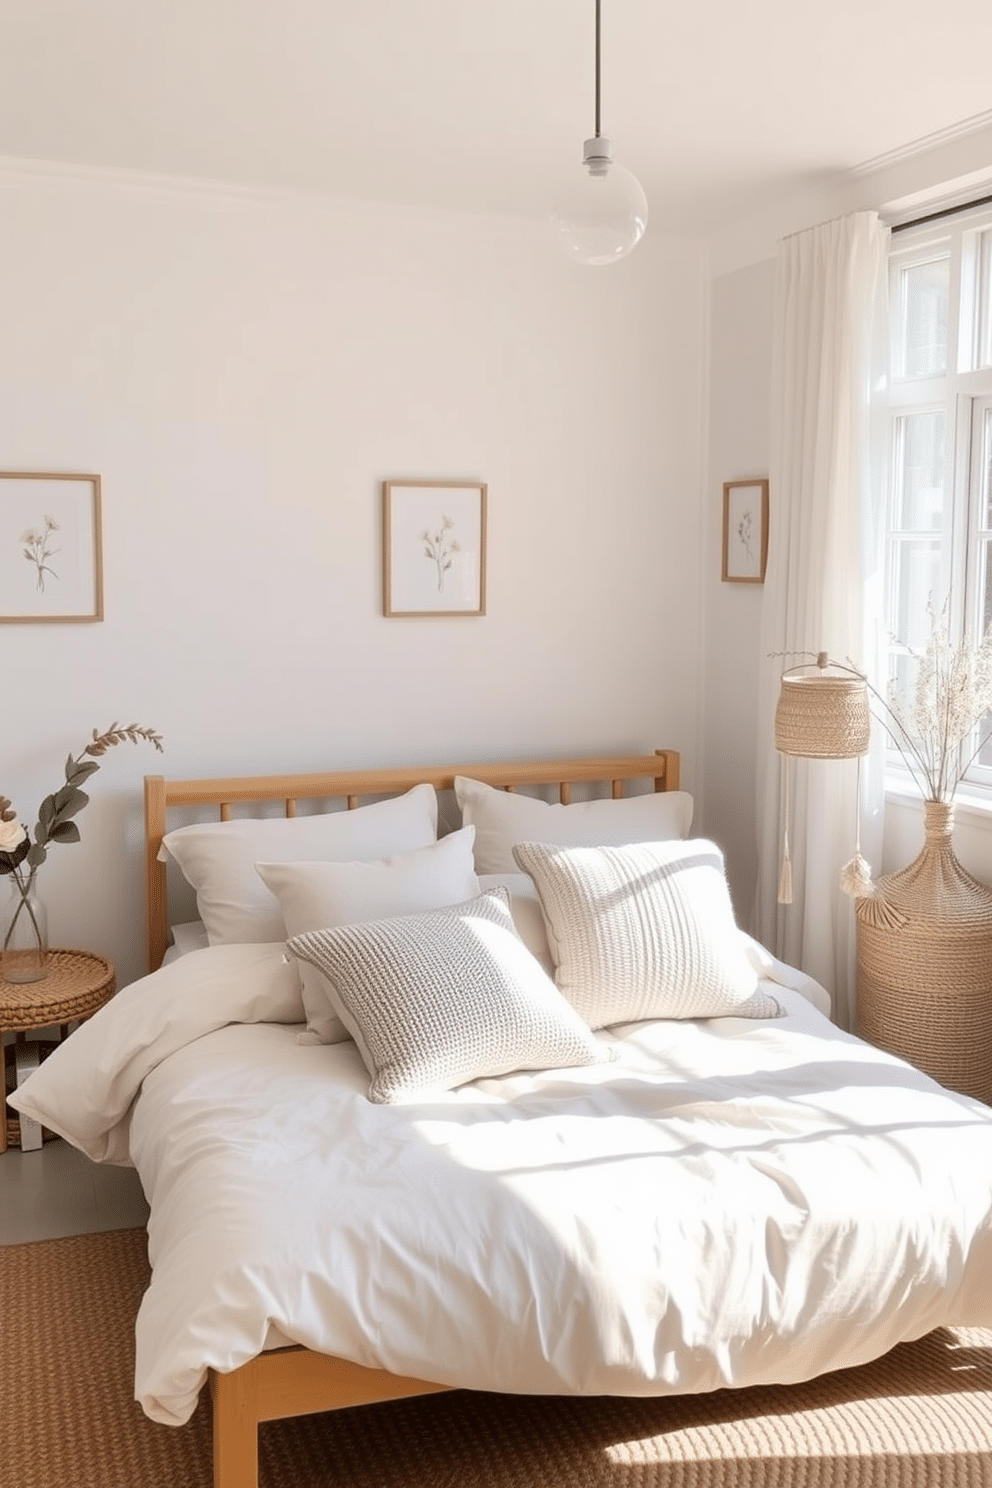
(235, 1400)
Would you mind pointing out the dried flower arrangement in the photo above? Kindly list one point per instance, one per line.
(932, 724)
(933, 727)
(19, 855)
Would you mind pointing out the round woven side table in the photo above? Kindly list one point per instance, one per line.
(77, 984)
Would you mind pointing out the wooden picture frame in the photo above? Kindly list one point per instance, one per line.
(51, 548)
(433, 548)
(745, 531)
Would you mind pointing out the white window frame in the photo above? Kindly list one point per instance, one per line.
(962, 392)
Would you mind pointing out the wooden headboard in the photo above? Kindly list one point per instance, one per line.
(161, 796)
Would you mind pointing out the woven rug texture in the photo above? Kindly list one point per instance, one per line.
(919, 1418)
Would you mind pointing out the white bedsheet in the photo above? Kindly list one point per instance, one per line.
(734, 1202)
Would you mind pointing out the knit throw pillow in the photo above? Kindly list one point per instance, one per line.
(644, 931)
(434, 1000)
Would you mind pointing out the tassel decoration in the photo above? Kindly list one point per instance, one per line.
(785, 874)
(855, 878)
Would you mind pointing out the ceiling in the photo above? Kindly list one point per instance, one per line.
(721, 107)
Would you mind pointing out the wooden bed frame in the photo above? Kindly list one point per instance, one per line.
(296, 1381)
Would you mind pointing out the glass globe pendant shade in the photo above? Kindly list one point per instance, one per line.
(603, 212)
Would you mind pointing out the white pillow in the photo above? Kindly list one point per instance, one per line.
(502, 819)
(191, 936)
(438, 999)
(317, 896)
(525, 907)
(644, 931)
(218, 858)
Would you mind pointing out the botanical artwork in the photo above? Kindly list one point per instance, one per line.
(434, 548)
(50, 548)
(441, 547)
(39, 549)
(745, 531)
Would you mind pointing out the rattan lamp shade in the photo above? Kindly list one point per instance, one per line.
(823, 714)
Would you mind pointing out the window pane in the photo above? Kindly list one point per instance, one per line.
(984, 562)
(924, 300)
(917, 582)
(985, 301)
(985, 474)
(919, 474)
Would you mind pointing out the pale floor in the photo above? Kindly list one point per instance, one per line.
(56, 1191)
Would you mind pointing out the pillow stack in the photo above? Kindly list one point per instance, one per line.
(504, 946)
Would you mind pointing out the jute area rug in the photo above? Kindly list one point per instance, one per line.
(919, 1418)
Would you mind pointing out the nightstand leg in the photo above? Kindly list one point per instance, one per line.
(26, 1060)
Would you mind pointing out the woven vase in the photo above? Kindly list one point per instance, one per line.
(925, 963)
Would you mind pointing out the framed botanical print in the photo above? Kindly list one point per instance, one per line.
(433, 547)
(745, 531)
(51, 561)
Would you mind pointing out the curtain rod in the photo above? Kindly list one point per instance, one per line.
(981, 201)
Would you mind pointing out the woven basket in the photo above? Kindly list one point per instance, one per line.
(925, 964)
(822, 716)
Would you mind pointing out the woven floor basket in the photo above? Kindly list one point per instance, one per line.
(925, 964)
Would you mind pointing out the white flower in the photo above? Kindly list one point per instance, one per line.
(12, 834)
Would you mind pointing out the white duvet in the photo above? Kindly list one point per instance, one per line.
(731, 1203)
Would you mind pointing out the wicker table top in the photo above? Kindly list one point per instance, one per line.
(77, 984)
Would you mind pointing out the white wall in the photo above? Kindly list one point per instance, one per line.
(243, 371)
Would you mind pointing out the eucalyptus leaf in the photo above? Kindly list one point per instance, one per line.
(66, 831)
(46, 812)
(81, 770)
(69, 801)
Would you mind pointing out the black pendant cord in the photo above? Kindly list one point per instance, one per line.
(597, 68)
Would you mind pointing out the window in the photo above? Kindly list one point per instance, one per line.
(939, 528)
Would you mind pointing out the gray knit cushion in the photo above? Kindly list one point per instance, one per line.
(433, 1000)
(645, 931)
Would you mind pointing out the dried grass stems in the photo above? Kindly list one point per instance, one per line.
(932, 724)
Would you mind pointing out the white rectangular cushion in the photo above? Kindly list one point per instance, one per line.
(218, 858)
(502, 819)
(319, 896)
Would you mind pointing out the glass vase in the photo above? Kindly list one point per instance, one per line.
(23, 934)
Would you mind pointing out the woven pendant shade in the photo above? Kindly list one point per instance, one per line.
(823, 714)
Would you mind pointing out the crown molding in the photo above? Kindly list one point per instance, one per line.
(952, 135)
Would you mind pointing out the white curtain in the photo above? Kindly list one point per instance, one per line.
(822, 590)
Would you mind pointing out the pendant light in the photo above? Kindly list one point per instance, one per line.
(603, 212)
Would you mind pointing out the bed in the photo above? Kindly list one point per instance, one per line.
(704, 1184)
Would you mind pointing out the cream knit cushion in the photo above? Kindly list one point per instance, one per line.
(434, 1000)
(644, 931)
